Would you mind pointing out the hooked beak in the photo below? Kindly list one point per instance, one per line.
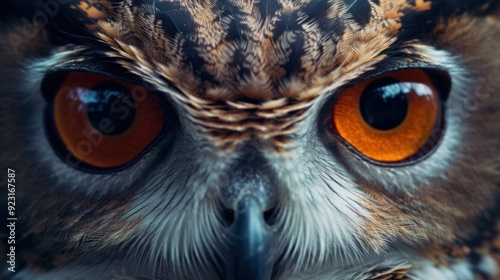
(250, 237)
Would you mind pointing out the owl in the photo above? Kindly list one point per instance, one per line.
(284, 139)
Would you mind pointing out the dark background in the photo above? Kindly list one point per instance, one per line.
(17, 8)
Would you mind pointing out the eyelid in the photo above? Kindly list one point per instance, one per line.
(54, 78)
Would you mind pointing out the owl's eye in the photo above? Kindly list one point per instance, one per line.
(390, 118)
(105, 122)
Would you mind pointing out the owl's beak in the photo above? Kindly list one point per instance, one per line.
(250, 238)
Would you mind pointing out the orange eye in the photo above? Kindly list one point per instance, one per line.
(105, 122)
(389, 118)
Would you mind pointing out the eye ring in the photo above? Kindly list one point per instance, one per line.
(391, 119)
(102, 123)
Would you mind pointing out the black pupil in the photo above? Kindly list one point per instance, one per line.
(384, 104)
(110, 108)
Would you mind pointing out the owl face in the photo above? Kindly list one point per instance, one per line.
(253, 140)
